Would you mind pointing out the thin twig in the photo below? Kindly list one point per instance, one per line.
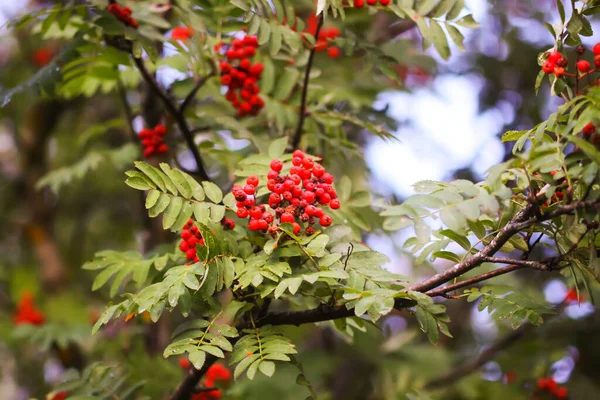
(188, 99)
(177, 116)
(311, 57)
(468, 282)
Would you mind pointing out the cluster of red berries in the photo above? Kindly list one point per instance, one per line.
(190, 236)
(361, 3)
(27, 312)
(153, 140)
(294, 197)
(215, 373)
(241, 76)
(550, 385)
(325, 34)
(123, 14)
(556, 62)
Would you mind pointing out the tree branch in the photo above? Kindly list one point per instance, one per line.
(479, 278)
(177, 116)
(486, 355)
(188, 99)
(524, 218)
(311, 57)
(541, 265)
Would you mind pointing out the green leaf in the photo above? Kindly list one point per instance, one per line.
(267, 368)
(286, 83)
(197, 358)
(277, 147)
(213, 192)
(172, 212)
(468, 22)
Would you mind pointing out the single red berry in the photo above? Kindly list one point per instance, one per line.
(255, 212)
(297, 228)
(371, 2)
(252, 180)
(272, 174)
(311, 210)
(225, 67)
(276, 165)
(256, 70)
(597, 61)
(385, 3)
(184, 363)
(241, 213)
(274, 198)
(267, 216)
(334, 204)
(298, 154)
(589, 129)
(309, 230)
(162, 149)
(359, 3)
(551, 385)
(245, 64)
(583, 66)
(596, 49)
(287, 217)
(262, 224)
(226, 80)
(190, 254)
(184, 246)
(561, 392)
(548, 67)
(308, 196)
(325, 220)
(554, 56)
(334, 52)
(325, 199)
(186, 234)
(253, 225)
(327, 178)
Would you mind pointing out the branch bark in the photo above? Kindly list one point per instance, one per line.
(188, 99)
(311, 57)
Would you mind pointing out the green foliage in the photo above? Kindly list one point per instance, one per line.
(63, 176)
(258, 349)
(503, 303)
(101, 381)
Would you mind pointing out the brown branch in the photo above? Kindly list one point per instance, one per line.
(541, 265)
(188, 99)
(177, 116)
(128, 111)
(524, 218)
(311, 57)
(482, 358)
(468, 282)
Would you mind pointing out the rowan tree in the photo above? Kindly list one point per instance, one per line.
(233, 260)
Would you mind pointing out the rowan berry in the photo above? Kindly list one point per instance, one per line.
(589, 129)
(583, 66)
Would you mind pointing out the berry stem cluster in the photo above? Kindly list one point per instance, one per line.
(296, 198)
(153, 140)
(123, 14)
(241, 76)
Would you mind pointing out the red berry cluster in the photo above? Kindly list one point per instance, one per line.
(190, 236)
(556, 62)
(239, 74)
(550, 385)
(123, 14)
(153, 141)
(361, 3)
(294, 197)
(27, 312)
(215, 373)
(324, 35)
